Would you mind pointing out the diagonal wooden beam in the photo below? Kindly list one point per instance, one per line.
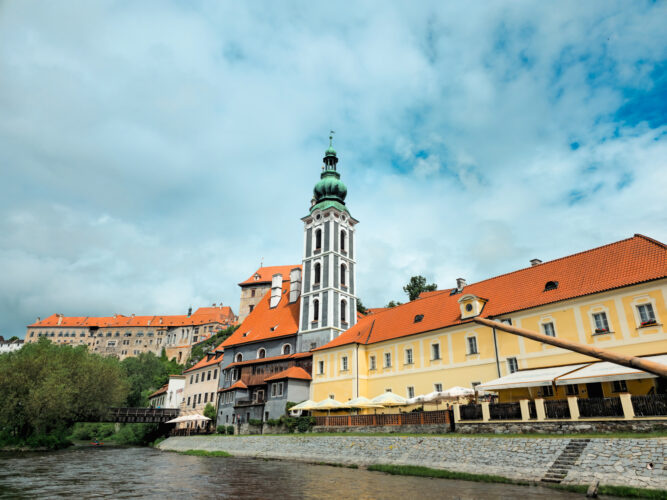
(595, 352)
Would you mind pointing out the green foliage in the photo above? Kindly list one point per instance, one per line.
(301, 424)
(89, 431)
(255, 421)
(201, 348)
(415, 470)
(393, 303)
(146, 373)
(209, 411)
(136, 434)
(230, 429)
(12, 338)
(221, 429)
(289, 405)
(418, 285)
(273, 421)
(46, 388)
(360, 307)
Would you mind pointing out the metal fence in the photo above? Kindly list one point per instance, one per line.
(532, 410)
(505, 411)
(471, 412)
(600, 407)
(556, 408)
(650, 406)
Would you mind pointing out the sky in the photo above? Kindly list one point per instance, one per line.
(153, 154)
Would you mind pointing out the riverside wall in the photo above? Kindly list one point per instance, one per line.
(621, 462)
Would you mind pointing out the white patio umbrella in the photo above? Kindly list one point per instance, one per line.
(390, 399)
(362, 402)
(305, 405)
(457, 392)
(330, 404)
(417, 400)
(188, 418)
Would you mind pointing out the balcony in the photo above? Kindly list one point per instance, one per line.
(249, 402)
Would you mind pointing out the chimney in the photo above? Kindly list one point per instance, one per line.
(214, 304)
(60, 319)
(276, 289)
(535, 262)
(294, 284)
(460, 284)
(189, 312)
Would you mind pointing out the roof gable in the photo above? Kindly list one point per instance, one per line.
(264, 275)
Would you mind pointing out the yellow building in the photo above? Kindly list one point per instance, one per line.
(613, 297)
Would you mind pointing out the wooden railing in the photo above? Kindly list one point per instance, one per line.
(144, 415)
(653, 405)
(600, 407)
(412, 418)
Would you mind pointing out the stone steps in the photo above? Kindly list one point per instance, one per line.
(568, 457)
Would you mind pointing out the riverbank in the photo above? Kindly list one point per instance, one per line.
(629, 462)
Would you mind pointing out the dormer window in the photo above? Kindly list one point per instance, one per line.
(418, 318)
(551, 285)
(471, 306)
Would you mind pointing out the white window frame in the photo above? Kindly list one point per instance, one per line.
(653, 316)
(238, 357)
(372, 362)
(543, 327)
(343, 364)
(386, 356)
(469, 350)
(259, 351)
(594, 323)
(285, 347)
(410, 391)
(437, 387)
(512, 365)
(435, 345)
(320, 367)
(409, 356)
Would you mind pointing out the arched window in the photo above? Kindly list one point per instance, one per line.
(238, 358)
(261, 353)
(318, 239)
(317, 273)
(287, 349)
(343, 272)
(316, 310)
(342, 240)
(343, 311)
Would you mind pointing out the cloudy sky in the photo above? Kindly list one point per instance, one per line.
(153, 153)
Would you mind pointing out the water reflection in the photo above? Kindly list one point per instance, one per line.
(146, 473)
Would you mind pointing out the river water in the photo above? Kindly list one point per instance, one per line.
(115, 472)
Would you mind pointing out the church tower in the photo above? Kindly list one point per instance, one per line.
(328, 302)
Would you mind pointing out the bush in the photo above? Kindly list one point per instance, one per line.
(136, 434)
(221, 429)
(302, 424)
(90, 431)
(230, 429)
(273, 421)
(255, 421)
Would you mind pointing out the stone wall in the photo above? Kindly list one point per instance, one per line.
(612, 461)
(560, 427)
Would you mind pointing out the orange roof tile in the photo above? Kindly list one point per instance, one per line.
(202, 316)
(161, 390)
(236, 385)
(211, 358)
(265, 274)
(265, 323)
(627, 262)
(293, 372)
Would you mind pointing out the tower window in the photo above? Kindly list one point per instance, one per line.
(342, 241)
(317, 273)
(316, 310)
(318, 239)
(343, 272)
(343, 309)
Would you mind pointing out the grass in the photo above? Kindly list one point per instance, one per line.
(414, 470)
(204, 453)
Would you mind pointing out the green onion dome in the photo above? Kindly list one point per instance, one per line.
(330, 187)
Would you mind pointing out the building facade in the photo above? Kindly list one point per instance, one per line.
(201, 383)
(9, 345)
(170, 395)
(612, 297)
(256, 286)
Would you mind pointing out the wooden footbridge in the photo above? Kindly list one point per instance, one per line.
(141, 415)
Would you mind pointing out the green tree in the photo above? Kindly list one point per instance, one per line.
(13, 338)
(393, 303)
(145, 374)
(209, 411)
(417, 285)
(199, 349)
(45, 388)
(360, 307)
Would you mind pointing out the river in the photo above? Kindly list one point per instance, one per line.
(116, 472)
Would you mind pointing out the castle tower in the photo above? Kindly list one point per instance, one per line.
(328, 303)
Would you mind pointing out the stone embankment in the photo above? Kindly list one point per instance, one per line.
(621, 462)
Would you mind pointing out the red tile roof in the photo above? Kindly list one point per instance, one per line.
(161, 390)
(202, 316)
(296, 355)
(236, 385)
(624, 263)
(293, 372)
(212, 358)
(264, 275)
(265, 323)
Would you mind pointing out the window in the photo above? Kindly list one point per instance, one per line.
(316, 310)
(437, 387)
(252, 292)
(317, 273)
(601, 323)
(238, 358)
(507, 321)
(343, 271)
(512, 365)
(215, 374)
(472, 345)
(318, 239)
(277, 390)
(435, 351)
(261, 353)
(250, 308)
(199, 399)
(205, 397)
(411, 392)
(342, 241)
(547, 391)
(287, 349)
(208, 375)
(619, 386)
(197, 378)
(387, 359)
(408, 357)
(343, 311)
(343, 363)
(550, 285)
(313, 345)
(572, 389)
(646, 314)
(188, 400)
(548, 329)
(418, 318)
(320, 367)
